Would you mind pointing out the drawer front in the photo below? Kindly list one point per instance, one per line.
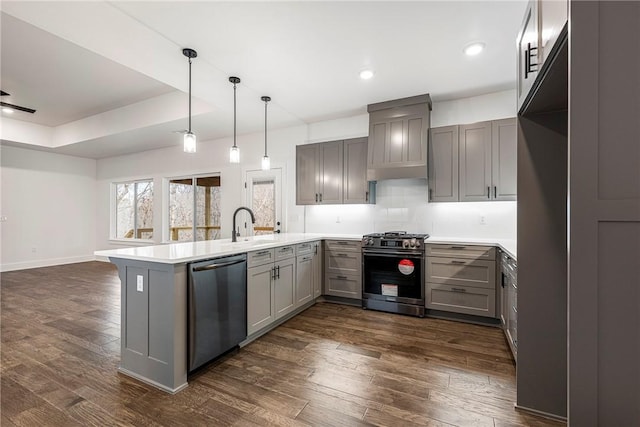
(260, 257)
(463, 272)
(304, 248)
(461, 299)
(343, 245)
(343, 285)
(462, 251)
(284, 252)
(343, 262)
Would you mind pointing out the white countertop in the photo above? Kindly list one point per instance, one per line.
(509, 246)
(176, 253)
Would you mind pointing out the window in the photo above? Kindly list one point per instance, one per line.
(265, 199)
(133, 210)
(194, 208)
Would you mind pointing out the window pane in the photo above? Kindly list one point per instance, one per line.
(124, 211)
(181, 210)
(264, 206)
(144, 202)
(208, 208)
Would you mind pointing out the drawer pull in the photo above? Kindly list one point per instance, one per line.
(261, 253)
(458, 290)
(342, 243)
(458, 247)
(344, 255)
(341, 277)
(458, 262)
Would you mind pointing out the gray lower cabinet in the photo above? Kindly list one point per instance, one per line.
(343, 269)
(153, 322)
(474, 162)
(304, 278)
(509, 301)
(317, 269)
(271, 292)
(461, 279)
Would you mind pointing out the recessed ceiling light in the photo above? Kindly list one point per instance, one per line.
(7, 110)
(474, 48)
(366, 74)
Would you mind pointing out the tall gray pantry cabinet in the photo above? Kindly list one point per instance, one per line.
(579, 214)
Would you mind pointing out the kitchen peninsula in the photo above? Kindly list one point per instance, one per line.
(154, 283)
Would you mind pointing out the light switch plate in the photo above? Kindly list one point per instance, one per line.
(140, 283)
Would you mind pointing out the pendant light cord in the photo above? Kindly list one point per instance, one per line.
(234, 115)
(265, 128)
(189, 95)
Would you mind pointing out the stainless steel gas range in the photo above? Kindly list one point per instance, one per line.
(393, 269)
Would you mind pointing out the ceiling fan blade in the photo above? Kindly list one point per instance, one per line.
(17, 107)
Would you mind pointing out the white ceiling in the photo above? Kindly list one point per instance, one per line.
(82, 63)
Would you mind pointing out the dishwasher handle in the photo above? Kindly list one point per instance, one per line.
(216, 266)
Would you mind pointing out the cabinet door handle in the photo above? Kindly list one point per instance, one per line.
(430, 194)
(316, 197)
(495, 192)
(366, 196)
(528, 65)
(320, 197)
(488, 192)
(458, 262)
(462, 290)
(273, 273)
(316, 249)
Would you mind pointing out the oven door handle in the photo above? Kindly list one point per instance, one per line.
(392, 253)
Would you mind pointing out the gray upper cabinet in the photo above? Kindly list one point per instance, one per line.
(307, 170)
(354, 183)
(333, 172)
(475, 162)
(553, 14)
(504, 160)
(331, 157)
(398, 132)
(527, 45)
(319, 173)
(443, 164)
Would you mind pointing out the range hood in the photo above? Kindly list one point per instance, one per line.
(398, 133)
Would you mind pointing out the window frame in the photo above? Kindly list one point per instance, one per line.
(114, 211)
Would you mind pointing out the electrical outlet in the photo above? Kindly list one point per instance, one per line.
(140, 283)
(3, 218)
(34, 250)
(483, 220)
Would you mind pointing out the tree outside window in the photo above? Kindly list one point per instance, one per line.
(134, 210)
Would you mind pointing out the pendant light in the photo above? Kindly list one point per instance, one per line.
(266, 162)
(189, 137)
(234, 153)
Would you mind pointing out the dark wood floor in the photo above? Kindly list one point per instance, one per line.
(332, 365)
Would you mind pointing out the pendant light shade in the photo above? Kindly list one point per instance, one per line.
(189, 137)
(266, 162)
(234, 153)
(189, 142)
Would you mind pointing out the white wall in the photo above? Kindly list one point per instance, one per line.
(212, 157)
(60, 204)
(49, 204)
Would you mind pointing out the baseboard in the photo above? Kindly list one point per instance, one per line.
(151, 382)
(541, 413)
(45, 263)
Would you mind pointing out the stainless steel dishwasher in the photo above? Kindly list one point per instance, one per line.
(217, 307)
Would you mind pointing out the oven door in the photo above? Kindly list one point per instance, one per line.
(393, 276)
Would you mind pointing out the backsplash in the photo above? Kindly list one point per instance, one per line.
(402, 205)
